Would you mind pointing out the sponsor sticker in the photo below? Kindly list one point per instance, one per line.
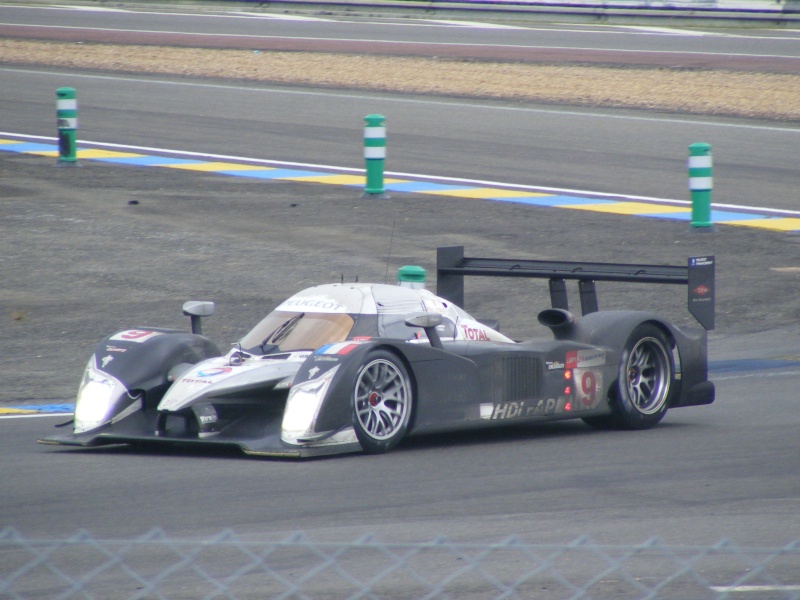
(523, 409)
(584, 358)
(318, 358)
(312, 304)
(701, 261)
(134, 335)
(591, 358)
(571, 359)
(213, 372)
(474, 333)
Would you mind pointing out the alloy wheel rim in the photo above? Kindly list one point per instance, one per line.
(382, 399)
(647, 377)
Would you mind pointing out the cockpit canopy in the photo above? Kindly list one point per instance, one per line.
(327, 314)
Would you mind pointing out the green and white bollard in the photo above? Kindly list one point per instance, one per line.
(701, 183)
(374, 155)
(411, 276)
(67, 123)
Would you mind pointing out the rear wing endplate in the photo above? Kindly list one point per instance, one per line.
(698, 275)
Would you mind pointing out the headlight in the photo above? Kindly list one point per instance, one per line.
(302, 407)
(99, 398)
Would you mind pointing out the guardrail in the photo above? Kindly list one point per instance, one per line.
(730, 12)
(229, 566)
(775, 13)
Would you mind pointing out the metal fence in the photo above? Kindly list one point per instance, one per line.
(228, 565)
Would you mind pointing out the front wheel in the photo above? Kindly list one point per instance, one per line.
(646, 382)
(382, 402)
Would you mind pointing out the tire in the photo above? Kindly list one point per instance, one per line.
(646, 382)
(382, 402)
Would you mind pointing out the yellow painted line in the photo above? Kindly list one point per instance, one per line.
(218, 166)
(105, 154)
(776, 224)
(53, 153)
(91, 153)
(628, 208)
(10, 142)
(17, 411)
(484, 193)
(334, 179)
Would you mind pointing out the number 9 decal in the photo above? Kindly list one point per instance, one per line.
(589, 385)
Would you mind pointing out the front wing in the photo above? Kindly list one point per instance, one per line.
(255, 435)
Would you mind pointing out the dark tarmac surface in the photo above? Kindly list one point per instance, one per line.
(90, 250)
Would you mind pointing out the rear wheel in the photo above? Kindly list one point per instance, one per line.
(382, 402)
(646, 382)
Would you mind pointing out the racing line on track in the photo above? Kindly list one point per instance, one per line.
(531, 198)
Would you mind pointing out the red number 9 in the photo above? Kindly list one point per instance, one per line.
(589, 387)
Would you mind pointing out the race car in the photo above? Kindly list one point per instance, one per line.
(348, 367)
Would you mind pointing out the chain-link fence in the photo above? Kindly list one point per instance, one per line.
(230, 566)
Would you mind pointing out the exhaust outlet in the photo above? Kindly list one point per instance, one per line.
(558, 320)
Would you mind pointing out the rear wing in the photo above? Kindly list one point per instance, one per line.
(698, 275)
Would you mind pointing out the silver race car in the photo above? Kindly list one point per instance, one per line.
(357, 366)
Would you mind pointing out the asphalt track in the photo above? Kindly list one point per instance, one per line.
(104, 246)
(484, 52)
(615, 152)
(215, 26)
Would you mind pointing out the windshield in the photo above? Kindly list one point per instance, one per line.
(287, 331)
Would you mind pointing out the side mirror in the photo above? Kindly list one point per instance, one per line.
(196, 310)
(429, 322)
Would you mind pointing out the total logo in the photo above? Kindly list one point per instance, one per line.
(213, 372)
(472, 333)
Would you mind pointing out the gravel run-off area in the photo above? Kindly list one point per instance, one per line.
(713, 92)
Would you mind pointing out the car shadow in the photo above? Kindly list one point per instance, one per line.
(569, 429)
(529, 432)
